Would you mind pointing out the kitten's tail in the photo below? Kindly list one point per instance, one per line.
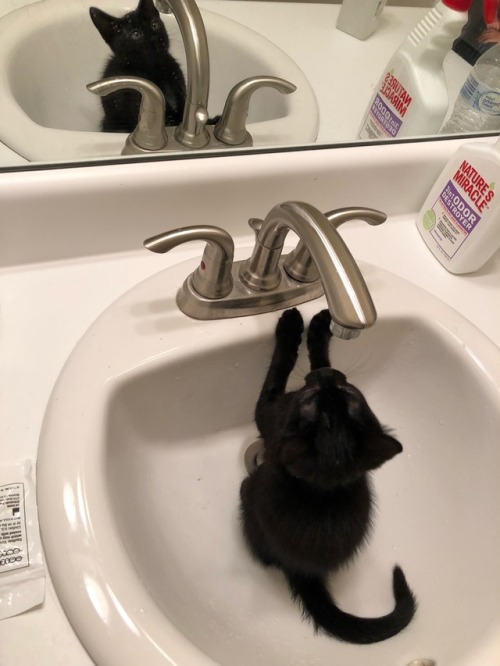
(317, 604)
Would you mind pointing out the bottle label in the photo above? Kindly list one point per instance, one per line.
(458, 209)
(389, 106)
(481, 97)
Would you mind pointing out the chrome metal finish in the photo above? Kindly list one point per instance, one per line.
(163, 6)
(192, 132)
(344, 332)
(150, 134)
(254, 455)
(349, 300)
(299, 263)
(221, 288)
(241, 302)
(212, 279)
(231, 128)
(255, 223)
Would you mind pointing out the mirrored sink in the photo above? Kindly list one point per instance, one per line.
(50, 50)
(142, 455)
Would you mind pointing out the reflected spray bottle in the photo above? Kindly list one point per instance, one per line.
(411, 97)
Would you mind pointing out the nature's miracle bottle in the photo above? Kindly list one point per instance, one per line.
(411, 97)
(460, 218)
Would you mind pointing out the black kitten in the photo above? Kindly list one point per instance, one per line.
(307, 509)
(140, 46)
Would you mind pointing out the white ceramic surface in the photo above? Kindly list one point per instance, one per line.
(50, 50)
(141, 457)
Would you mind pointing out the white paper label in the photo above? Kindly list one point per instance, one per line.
(22, 571)
(13, 539)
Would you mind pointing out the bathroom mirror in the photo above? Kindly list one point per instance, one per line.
(50, 50)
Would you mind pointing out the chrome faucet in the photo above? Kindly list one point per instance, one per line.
(267, 281)
(193, 132)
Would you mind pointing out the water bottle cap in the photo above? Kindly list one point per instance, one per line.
(461, 5)
(490, 10)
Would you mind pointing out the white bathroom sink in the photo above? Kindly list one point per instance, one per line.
(50, 50)
(141, 459)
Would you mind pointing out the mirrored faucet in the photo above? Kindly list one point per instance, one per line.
(267, 281)
(150, 134)
(192, 133)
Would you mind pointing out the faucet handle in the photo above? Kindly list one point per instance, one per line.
(192, 133)
(150, 134)
(212, 279)
(231, 128)
(300, 265)
(255, 223)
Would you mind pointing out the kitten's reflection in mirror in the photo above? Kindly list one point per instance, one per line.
(140, 45)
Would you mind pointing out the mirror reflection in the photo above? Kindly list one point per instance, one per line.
(99, 79)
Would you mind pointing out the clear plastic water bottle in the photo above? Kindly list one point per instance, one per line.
(477, 108)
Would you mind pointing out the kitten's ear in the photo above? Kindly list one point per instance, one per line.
(379, 449)
(308, 411)
(148, 9)
(106, 24)
(307, 407)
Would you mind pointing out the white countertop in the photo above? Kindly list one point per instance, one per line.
(47, 305)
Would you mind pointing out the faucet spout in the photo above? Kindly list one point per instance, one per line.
(347, 295)
(192, 132)
(300, 265)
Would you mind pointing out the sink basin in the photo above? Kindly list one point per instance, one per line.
(142, 455)
(50, 50)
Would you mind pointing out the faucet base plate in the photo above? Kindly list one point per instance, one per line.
(242, 302)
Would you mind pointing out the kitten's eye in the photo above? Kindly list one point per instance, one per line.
(136, 34)
(155, 24)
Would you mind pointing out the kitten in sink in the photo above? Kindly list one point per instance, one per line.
(308, 508)
(140, 46)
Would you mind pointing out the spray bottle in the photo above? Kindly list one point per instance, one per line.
(460, 218)
(411, 97)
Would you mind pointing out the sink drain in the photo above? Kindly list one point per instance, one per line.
(422, 662)
(254, 455)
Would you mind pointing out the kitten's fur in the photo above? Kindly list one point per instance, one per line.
(140, 46)
(307, 509)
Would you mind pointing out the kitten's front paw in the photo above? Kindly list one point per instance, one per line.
(290, 327)
(318, 340)
(320, 323)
